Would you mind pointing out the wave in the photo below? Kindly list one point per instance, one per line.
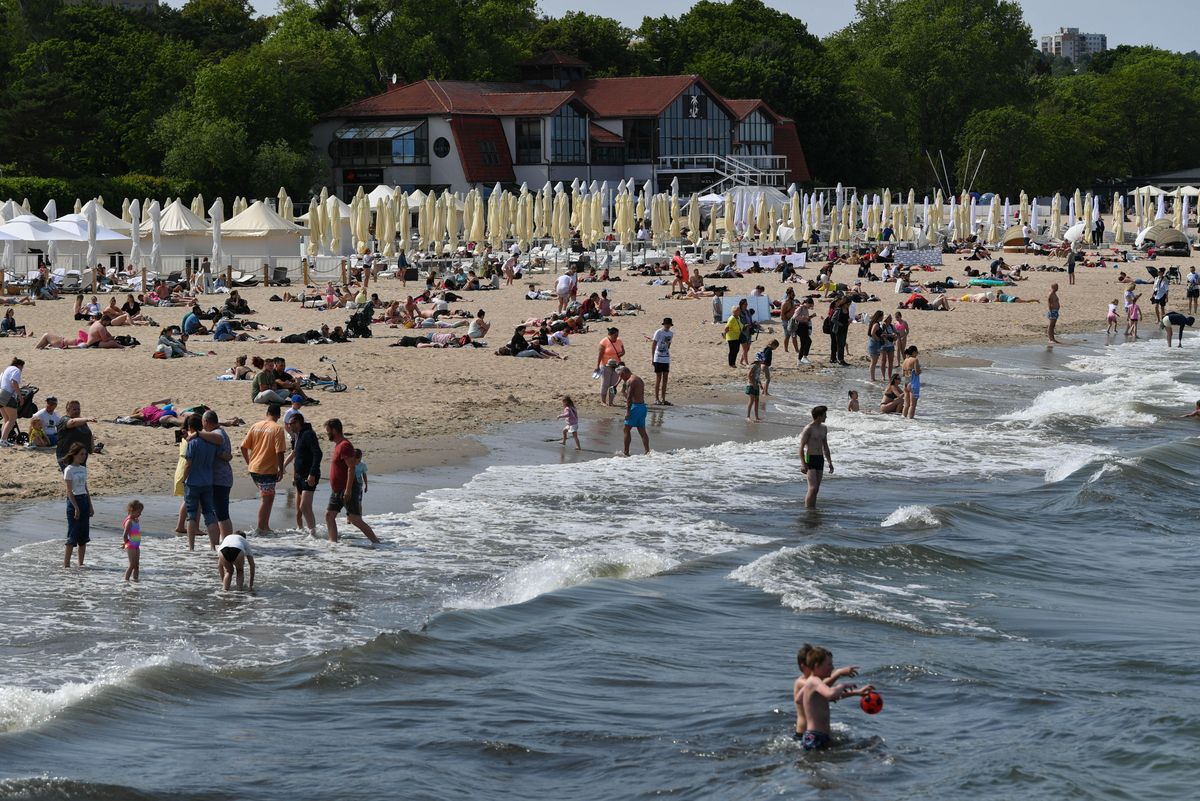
(567, 570)
(912, 517)
(24, 708)
(891, 585)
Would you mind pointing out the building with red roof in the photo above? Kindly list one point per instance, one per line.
(558, 124)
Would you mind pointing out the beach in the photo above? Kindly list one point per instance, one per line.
(410, 407)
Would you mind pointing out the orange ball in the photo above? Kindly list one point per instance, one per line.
(871, 703)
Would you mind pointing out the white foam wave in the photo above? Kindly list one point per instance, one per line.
(819, 578)
(24, 708)
(568, 570)
(914, 516)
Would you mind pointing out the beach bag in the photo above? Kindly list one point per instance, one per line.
(827, 324)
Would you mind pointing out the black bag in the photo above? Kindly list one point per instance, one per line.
(827, 325)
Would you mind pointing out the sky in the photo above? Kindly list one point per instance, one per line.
(1172, 25)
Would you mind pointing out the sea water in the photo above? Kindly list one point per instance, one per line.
(1014, 570)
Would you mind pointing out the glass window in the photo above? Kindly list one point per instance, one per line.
(568, 136)
(488, 154)
(639, 140)
(756, 135)
(529, 140)
(380, 145)
(694, 125)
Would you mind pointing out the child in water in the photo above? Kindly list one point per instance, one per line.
(131, 538)
(753, 388)
(853, 405)
(1112, 317)
(571, 426)
(1135, 314)
(813, 692)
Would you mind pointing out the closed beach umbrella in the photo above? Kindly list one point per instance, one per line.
(1086, 214)
(1176, 212)
(1033, 219)
(155, 212)
(1056, 218)
(51, 212)
(1076, 208)
(333, 217)
(90, 215)
(198, 206)
(135, 235)
(1161, 213)
(314, 228)
(217, 213)
(694, 217)
(1118, 219)
(728, 218)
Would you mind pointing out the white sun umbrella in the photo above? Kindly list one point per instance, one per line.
(954, 217)
(478, 221)
(1033, 218)
(1095, 208)
(125, 210)
(314, 228)
(51, 212)
(1055, 231)
(1076, 207)
(1176, 208)
(795, 206)
(333, 218)
(135, 235)
(197, 206)
(90, 258)
(1183, 224)
(1086, 213)
(28, 228)
(728, 233)
(1074, 233)
(155, 212)
(912, 211)
(989, 235)
(1118, 219)
(217, 212)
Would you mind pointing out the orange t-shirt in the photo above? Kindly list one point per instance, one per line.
(266, 442)
(611, 350)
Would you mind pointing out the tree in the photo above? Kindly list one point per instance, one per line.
(602, 42)
(277, 164)
(928, 65)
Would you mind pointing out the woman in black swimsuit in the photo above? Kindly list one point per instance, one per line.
(893, 396)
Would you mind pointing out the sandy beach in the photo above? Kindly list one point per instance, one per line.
(415, 407)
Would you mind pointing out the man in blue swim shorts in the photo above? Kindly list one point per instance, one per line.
(635, 407)
(1052, 306)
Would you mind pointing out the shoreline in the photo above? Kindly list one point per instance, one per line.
(416, 408)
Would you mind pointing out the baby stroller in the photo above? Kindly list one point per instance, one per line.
(359, 325)
(27, 409)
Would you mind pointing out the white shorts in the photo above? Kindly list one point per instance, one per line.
(571, 429)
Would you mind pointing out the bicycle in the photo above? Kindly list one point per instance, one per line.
(326, 384)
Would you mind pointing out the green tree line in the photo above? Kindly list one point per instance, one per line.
(216, 98)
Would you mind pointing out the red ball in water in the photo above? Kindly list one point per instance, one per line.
(871, 703)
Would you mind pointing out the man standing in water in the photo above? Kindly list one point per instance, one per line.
(1052, 313)
(814, 455)
(635, 407)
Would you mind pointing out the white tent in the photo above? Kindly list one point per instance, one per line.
(380, 194)
(182, 233)
(11, 210)
(106, 219)
(259, 231)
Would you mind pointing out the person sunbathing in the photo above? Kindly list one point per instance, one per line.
(919, 303)
(240, 370)
(49, 340)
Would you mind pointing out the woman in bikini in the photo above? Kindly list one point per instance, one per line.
(912, 381)
(893, 396)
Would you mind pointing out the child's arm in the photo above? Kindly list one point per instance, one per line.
(250, 559)
(366, 483)
(125, 532)
(849, 670)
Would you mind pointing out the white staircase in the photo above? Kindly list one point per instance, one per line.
(730, 171)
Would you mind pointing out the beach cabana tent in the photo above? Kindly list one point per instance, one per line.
(1013, 240)
(181, 232)
(1167, 241)
(105, 218)
(259, 231)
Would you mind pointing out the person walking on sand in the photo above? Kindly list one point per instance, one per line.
(814, 455)
(264, 450)
(345, 489)
(635, 408)
(660, 357)
(1052, 307)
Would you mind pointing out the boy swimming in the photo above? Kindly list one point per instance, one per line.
(814, 690)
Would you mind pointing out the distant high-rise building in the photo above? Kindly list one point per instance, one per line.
(1073, 45)
(128, 5)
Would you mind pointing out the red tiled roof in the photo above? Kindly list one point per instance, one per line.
(455, 97)
(603, 136)
(481, 140)
(787, 143)
(645, 96)
(744, 108)
(553, 58)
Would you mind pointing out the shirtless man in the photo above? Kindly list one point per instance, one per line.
(99, 336)
(813, 691)
(1052, 313)
(635, 407)
(814, 455)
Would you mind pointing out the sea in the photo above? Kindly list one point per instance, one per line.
(1014, 571)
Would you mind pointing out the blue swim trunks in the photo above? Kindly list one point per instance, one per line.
(637, 416)
(1052, 315)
